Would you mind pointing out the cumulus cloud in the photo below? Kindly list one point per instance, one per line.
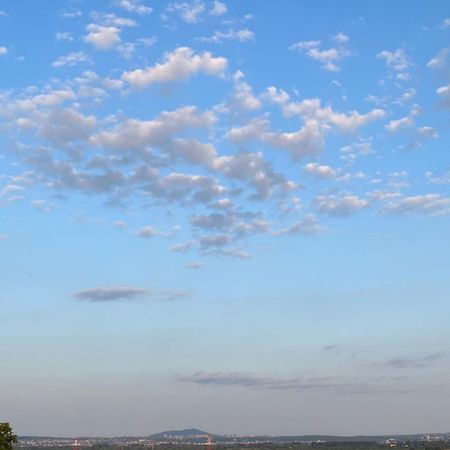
(179, 65)
(134, 6)
(183, 247)
(43, 205)
(320, 170)
(425, 204)
(340, 205)
(110, 294)
(422, 135)
(242, 35)
(64, 36)
(218, 9)
(330, 58)
(102, 37)
(189, 12)
(318, 121)
(147, 232)
(307, 226)
(444, 95)
(396, 125)
(398, 62)
(71, 59)
(3, 51)
(243, 97)
(440, 61)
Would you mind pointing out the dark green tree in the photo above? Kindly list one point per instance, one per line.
(7, 437)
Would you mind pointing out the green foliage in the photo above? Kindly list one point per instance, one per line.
(7, 437)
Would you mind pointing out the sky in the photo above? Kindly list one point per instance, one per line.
(230, 215)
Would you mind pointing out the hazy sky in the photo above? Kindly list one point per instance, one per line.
(229, 215)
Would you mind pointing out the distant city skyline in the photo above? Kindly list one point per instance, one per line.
(230, 215)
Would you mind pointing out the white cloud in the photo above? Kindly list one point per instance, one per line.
(446, 23)
(396, 125)
(340, 205)
(341, 38)
(329, 58)
(137, 134)
(189, 12)
(64, 36)
(218, 9)
(120, 224)
(134, 6)
(320, 171)
(182, 248)
(427, 204)
(398, 62)
(3, 51)
(444, 94)
(243, 35)
(43, 205)
(439, 61)
(147, 232)
(70, 60)
(310, 138)
(102, 37)
(243, 97)
(308, 226)
(71, 14)
(422, 135)
(127, 49)
(111, 20)
(179, 65)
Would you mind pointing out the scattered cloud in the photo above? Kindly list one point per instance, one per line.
(134, 6)
(444, 95)
(329, 58)
(147, 232)
(328, 384)
(397, 62)
(340, 205)
(426, 204)
(101, 37)
(70, 60)
(242, 35)
(64, 36)
(189, 12)
(194, 265)
(218, 9)
(110, 294)
(179, 65)
(412, 362)
(43, 205)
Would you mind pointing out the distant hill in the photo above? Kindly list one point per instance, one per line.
(194, 434)
(180, 434)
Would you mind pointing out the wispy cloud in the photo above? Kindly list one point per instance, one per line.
(110, 294)
(415, 362)
(338, 385)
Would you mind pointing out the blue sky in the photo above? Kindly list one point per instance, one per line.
(230, 215)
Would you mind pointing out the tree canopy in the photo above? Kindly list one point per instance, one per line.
(7, 437)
